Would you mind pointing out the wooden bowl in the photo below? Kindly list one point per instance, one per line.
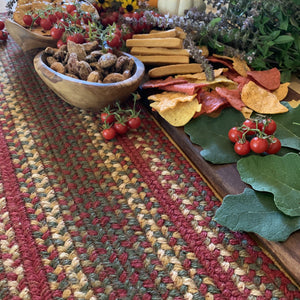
(26, 38)
(88, 95)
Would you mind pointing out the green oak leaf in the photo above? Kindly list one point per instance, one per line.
(212, 135)
(288, 127)
(279, 175)
(256, 212)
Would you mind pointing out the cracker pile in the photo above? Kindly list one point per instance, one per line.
(159, 47)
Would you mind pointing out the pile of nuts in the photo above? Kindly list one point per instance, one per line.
(87, 62)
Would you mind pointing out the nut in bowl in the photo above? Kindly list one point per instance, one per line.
(91, 83)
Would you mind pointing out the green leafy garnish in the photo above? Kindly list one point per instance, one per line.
(278, 175)
(256, 212)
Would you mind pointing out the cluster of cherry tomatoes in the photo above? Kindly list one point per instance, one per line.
(3, 33)
(255, 135)
(71, 24)
(135, 23)
(119, 121)
(79, 26)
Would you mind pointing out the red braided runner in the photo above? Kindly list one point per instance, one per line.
(83, 218)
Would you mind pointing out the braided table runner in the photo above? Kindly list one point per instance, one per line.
(83, 218)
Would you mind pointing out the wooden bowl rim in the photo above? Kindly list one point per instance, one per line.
(139, 72)
(35, 35)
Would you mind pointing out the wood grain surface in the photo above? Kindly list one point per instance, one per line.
(224, 180)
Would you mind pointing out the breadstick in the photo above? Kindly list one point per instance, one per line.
(163, 59)
(175, 69)
(156, 42)
(158, 34)
(179, 32)
(158, 51)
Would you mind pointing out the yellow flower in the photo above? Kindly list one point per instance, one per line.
(129, 5)
(104, 3)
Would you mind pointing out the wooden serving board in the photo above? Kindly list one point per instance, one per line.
(225, 179)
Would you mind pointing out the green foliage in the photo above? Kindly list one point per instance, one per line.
(256, 212)
(278, 175)
(212, 134)
(288, 129)
(266, 33)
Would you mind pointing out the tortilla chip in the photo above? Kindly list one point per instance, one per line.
(168, 100)
(240, 66)
(222, 56)
(269, 79)
(186, 88)
(261, 100)
(202, 76)
(232, 96)
(218, 80)
(182, 113)
(247, 112)
(211, 101)
(282, 91)
(157, 83)
(294, 103)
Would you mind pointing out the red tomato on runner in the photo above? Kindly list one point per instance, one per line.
(107, 117)
(120, 128)
(2, 25)
(109, 133)
(3, 35)
(134, 122)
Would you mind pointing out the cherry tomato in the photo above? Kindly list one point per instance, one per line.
(60, 43)
(3, 35)
(135, 122)
(259, 145)
(115, 42)
(251, 125)
(70, 38)
(109, 133)
(274, 145)
(78, 38)
(136, 15)
(120, 128)
(59, 15)
(270, 127)
(234, 134)
(2, 25)
(52, 18)
(27, 19)
(56, 32)
(127, 35)
(107, 117)
(46, 24)
(242, 147)
(37, 19)
(70, 8)
(87, 18)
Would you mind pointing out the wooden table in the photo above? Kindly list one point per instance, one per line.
(224, 180)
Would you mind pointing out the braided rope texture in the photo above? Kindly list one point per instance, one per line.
(84, 218)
